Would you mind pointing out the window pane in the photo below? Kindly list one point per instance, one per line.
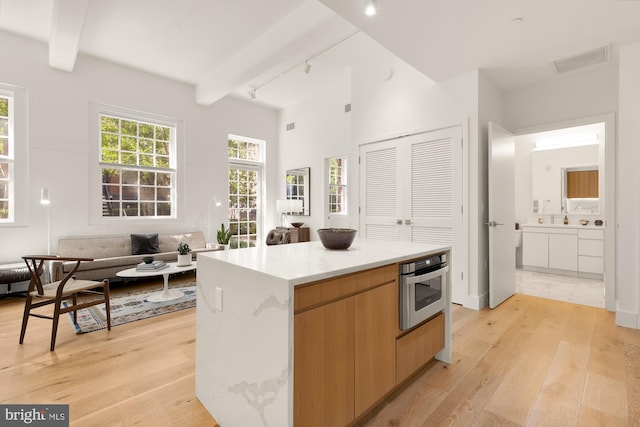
(4, 209)
(4, 170)
(4, 190)
(129, 177)
(163, 133)
(164, 194)
(4, 146)
(109, 124)
(146, 160)
(146, 146)
(147, 209)
(4, 127)
(164, 179)
(146, 130)
(129, 193)
(147, 193)
(129, 127)
(109, 156)
(4, 107)
(111, 175)
(164, 209)
(110, 141)
(129, 144)
(128, 158)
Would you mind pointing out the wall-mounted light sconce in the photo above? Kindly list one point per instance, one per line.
(370, 7)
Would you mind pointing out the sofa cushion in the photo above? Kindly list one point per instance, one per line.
(144, 244)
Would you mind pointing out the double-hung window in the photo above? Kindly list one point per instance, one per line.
(14, 149)
(338, 186)
(7, 193)
(137, 167)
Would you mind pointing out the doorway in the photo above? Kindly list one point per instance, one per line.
(543, 204)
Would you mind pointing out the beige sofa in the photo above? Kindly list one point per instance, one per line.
(114, 253)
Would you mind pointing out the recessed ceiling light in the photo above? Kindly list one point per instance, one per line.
(370, 7)
(517, 20)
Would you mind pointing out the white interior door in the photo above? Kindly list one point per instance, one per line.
(502, 269)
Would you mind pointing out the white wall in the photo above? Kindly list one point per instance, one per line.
(588, 92)
(628, 191)
(322, 129)
(58, 141)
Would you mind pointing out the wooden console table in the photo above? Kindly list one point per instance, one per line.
(297, 234)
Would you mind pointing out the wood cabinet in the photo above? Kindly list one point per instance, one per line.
(376, 321)
(419, 346)
(344, 346)
(297, 234)
(582, 184)
(323, 391)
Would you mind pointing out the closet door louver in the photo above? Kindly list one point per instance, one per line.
(432, 190)
(381, 193)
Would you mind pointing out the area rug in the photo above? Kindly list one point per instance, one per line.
(131, 308)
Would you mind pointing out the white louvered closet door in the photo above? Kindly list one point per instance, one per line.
(381, 199)
(432, 186)
(412, 190)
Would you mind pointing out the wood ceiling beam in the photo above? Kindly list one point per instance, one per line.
(66, 27)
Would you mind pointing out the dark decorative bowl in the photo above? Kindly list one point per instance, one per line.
(297, 224)
(337, 238)
(147, 259)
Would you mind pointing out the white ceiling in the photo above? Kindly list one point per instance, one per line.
(230, 46)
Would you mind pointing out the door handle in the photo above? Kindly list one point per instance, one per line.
(407, 221)
(492, 224)
(399, 221)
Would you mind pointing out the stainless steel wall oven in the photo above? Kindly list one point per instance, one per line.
(422, 289)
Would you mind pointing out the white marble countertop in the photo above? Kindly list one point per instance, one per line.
(589, 226)
(300, 263)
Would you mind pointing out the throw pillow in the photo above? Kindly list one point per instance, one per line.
(144, 244)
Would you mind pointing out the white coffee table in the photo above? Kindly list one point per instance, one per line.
(166, 294)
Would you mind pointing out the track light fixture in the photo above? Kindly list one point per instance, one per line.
(307, 66)
(370, 7)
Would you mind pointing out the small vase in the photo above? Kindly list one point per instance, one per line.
(184, 260)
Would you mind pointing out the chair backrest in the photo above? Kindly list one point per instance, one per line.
(275, 237)
(35, 263)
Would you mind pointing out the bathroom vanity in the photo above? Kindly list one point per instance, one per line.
(564, 249)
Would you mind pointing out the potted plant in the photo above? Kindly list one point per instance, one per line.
(184, 254)
(223, 236)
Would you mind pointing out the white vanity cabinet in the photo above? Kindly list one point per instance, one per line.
(591, 252)
(550, 248)
(563, 249)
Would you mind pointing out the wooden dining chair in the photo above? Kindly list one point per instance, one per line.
(69, 288)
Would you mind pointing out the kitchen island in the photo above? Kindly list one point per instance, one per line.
(245, 321)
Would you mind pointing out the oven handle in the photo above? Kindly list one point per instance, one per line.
(410, 280)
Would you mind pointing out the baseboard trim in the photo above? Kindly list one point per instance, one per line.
(476, 302)
(627, 319)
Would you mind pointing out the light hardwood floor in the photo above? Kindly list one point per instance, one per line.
(532, 361)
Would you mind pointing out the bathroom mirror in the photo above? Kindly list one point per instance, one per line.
(297, 188)
(580, 190)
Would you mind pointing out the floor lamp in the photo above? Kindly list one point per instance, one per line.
(44, 200)
(217, 203)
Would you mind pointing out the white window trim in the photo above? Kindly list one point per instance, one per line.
(95, 167)
(20, 182)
